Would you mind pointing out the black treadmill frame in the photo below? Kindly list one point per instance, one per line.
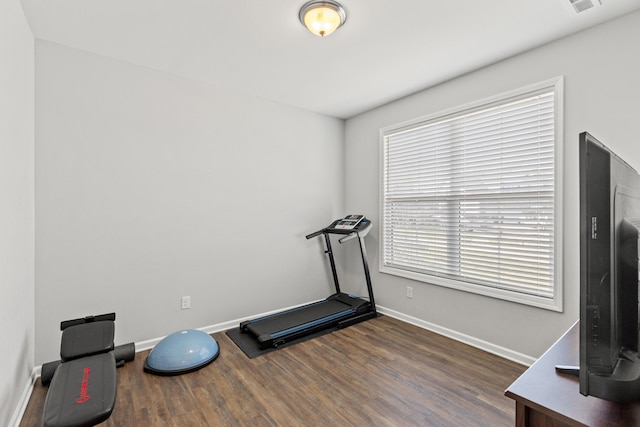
(360, 309)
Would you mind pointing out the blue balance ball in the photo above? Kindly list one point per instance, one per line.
(182, 352)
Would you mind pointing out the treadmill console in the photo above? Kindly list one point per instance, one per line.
(350, 224)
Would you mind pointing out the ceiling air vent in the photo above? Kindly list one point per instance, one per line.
(582, 5)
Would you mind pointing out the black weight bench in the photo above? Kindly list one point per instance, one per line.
(82, 385)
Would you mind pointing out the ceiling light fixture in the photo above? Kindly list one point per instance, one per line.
(322, 17)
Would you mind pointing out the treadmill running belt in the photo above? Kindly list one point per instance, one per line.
(299, 319)
(308, 325)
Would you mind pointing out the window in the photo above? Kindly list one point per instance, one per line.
(470, 198)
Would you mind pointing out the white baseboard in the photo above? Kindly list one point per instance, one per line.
(467, 339)
(218, 327)
(24, 400)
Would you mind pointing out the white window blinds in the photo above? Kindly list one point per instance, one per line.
(470, 196)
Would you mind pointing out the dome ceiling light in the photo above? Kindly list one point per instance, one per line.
(322, 17)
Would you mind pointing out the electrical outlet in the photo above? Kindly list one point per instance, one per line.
(186, 303)
(409, 292)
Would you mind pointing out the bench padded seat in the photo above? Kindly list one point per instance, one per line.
(82, 392)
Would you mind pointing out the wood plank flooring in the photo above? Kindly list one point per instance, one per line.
(382, 372)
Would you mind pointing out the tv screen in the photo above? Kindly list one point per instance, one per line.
(609, 230)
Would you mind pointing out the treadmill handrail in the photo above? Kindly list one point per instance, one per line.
(315, 234)
(357, 233)
(348, 237)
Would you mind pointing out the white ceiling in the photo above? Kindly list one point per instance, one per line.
(387, 48)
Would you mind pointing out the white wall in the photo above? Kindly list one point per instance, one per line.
(602, 95)
(16, 208)
(150, 187)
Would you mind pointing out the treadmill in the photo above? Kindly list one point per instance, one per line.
(337, 311)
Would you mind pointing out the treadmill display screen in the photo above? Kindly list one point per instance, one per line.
(349, 222)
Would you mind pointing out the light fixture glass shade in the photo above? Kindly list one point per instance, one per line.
(322, 17)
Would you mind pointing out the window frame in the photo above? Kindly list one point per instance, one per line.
(556, 85)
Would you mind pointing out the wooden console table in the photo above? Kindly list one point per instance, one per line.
(547, 399)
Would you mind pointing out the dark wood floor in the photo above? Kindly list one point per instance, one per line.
(382, 372)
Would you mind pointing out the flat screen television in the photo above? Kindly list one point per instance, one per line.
(609, 229)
